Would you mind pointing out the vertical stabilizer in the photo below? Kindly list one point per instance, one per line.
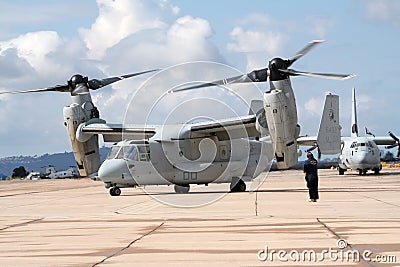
(328, 139)
(354, 125)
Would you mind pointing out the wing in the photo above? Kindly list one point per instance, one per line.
(307, 141)
(117, 132)
(379, 140)
(383, 140)
(239, 127)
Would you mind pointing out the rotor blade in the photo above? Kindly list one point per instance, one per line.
(393, 136)
(254, 76)
(320, 75)
(304, 51)
(57, 88)
(391, 146)
(96, 84)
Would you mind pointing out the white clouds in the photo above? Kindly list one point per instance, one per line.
(188, 39)
(130, 36)
(12, 66)
(46, 58)
(41, 59)
(248, 41)
(34, 47)
(385, 10)
(119, 19)
(191, 29)
(314, 106)
(126, 37)
(185, 40)
(253, 38)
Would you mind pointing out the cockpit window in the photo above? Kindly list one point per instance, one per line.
(370, 144)
(130, 152)
(113, 152)
(356, 145)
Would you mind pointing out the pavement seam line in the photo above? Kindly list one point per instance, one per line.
(38, 192)
(339, 237)
(128, 246)
(21, 224)
(377, 199)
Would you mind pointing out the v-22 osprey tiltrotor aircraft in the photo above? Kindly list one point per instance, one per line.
(224, 151)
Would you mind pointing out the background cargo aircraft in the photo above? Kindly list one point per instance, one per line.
(359, 153)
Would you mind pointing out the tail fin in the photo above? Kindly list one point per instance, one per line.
(354, 126)
(328, 139)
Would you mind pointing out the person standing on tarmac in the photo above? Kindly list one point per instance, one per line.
(311, 175)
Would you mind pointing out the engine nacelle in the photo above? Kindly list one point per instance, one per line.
(281, 115)
(86, 154)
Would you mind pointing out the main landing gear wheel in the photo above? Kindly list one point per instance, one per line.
(341, 171)
(239, 186)
(115, 191)
(182, 189)
(362, 172)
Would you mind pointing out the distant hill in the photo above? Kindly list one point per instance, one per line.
(60, 161)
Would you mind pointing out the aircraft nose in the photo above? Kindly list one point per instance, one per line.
(113, 170)
(364, 157)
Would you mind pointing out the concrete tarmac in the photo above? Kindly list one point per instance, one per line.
(77, 223)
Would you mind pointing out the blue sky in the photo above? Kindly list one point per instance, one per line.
(43, 43)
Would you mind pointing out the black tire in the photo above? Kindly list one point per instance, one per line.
(376, 171)
(117, 191)
(233, 188)
(341, 171)
(182, 189)
(112, 193)
(240, 186)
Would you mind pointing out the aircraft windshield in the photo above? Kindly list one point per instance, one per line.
(113, 152)
(132, 152)
(370, 144)
(355, 144)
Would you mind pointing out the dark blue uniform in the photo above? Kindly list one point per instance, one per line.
(311, 171)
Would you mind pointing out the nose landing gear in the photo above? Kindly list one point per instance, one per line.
(237, 185)
(182, 189)
(115, 191)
